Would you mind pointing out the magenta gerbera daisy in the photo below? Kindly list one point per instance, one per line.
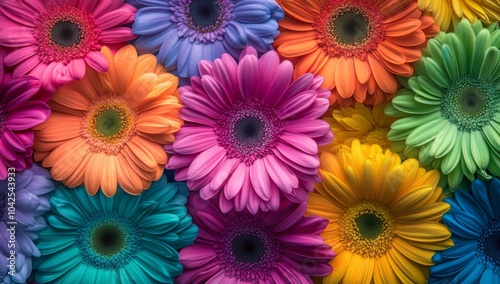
(279, 246)
(53, 39)
(251, 132)
(22, 105)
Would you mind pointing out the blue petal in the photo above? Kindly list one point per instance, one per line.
(158, 3)
(151, 20)
(236, 36)
(471, 273)
(251, 12)
(472, 206)
(459, 250)
(169, 50)
(150, 43)
(189, 56)
(489, 277)
(494, 195)
(481, 194)
(452, 267)
(457, 228)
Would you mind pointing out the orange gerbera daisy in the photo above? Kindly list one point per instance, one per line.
(109, 128)
(358, 46)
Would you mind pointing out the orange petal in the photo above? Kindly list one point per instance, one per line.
(328, 73)
(146, 63)
(345, 77)
(414, 39)
(127, 178)
(298, 11)
(305, 63)
(107, 78)
(77, 177)
(297, 47)
(390, 53)
(363, 71)
(70, 98)
(72, 146)
(126, 59)
(360, 91)
(72, 156)
(402, 28)
(93, 172)
(140, 88)
(59, 127)
(109, 181)
(294, 25)
(384, 79)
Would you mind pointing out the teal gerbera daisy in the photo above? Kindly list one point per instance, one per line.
(450, 108)
(474, 221)
(124, 239)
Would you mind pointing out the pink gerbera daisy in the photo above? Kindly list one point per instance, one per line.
(270, 247)
(22, 106)
(53, 39)
(251, 132)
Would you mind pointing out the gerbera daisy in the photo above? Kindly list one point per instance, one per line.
(384, 215)
(446, 12)
(53, 39)
(358, 46)
(474, 221)
(367, 124)
(279, 246)
(22, 106)
(450, 109)
(109, 128)
(251, 132)
(183, 32)
(124, 239)
(27, 193)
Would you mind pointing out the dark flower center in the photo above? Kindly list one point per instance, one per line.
(248, 248)
(66, 33)
(204, 13)
(469, 103)
(489, 246)
(108, 241)
(3, 116)
(350, 28)
(249, 130)
(109, 122)
(370, 225)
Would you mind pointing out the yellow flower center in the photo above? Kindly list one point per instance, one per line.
(377, 136)
(367, 229)
(108, 125)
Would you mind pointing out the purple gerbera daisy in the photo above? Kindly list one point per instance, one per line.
(183, 32)
(251, 132)
(22, 105)
(279, 246)
(27, 192)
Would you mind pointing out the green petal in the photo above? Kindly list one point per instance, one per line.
(490, 63)
(444, 141)
(466, 171)
(429, 93)
(436, 73)
(459, 50)
(479, 149)
(455, 177)
(434, 48)
(450, 62)
(494, 166)
(492, 136)
(467, 37)
(466, 152)
(483, 41)
(390, 110)
(451, 160)
(495, 38)
(425, 133)
(406, 103)
(424, 155)
(396, 135)
(412, 122)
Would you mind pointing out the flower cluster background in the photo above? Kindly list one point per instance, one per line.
(249, 141)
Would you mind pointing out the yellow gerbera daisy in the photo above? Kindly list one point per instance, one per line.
(383, 215)
(447, 11)
(369, 125)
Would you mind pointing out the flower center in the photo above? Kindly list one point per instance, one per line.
(378, 136)
(488, 248)
(66, 33)
(108, 125)
(367, 229)
(63, 33)
(346, 29)
(248, 250)
(249, 130)
(108, 241)
(3, 116)
(202, 20)
(470, 103)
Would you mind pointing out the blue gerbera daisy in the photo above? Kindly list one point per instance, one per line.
(183, 32)
(23, 201)
(474, 220)
(124, 239)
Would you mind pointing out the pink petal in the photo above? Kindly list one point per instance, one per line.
(97, 61)
(282, 77)
(10, 139)
(301, 158)
(300, 141)
(302, 240)
(248, 76)
(105, 6)
(294, 165)
(47, 77)
(38, 70)
(206, 191)
(284, 178)
(269, 61)
(200, 103)
(283, 273)
(16, 36)
(18, 55)
(117, 35)
(225, 70)
(241, 199)
(250, 50)
(224, 204)
(215, 91)
(179, 161)
(125, 14)
(8, 153)
(296, 104)
(191, 142)
(222, 175)
(26, 66)
(316, 110)
(196, 255)
(61, 74)
(205, 162)
(260, 179)
(300, 85)
(34, 113)
(253, 201)
(274, 202)
(87, 5)
(18, 12)
(316, 128)
(235, 182)
(77, 68)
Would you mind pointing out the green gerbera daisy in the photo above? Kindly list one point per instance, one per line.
(450, 108)
(123, 239)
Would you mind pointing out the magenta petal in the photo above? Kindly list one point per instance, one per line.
(260, 179)
(315, 128)
(200, 103)
(88, 5)
(301, 239)
(26, 66)
(16, 36)
(123, 15)
(292, 218)
(97, 61)
(61, 74)
(222, 175)
(10, 139)
(18, 90)
(269, 61)
(284, 178)
(300, 85)
(34, 114)
(18, 55)
(224, 204)
(205, 162)
(253, 202)
(279, 83)
(117, 35)
(205, 67)
(225, 71)
(18, 12)
(215, 91)
(187, 143)
(235, 182)
(299, 103)
(105, 6)
(300, 141)
(8, 153)
(77, 68)
(248, 76)
(301, 158)
(196, 255)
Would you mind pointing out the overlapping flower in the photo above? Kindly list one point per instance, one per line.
(90, 89)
